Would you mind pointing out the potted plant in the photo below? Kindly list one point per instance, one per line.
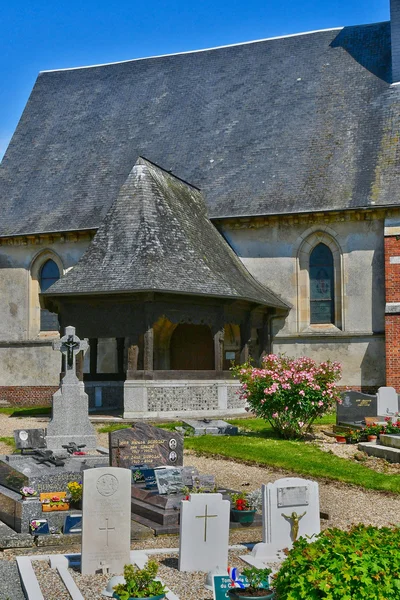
(140, 583)
(243, 508)
(340, 438)
(372, 431)
(352, 436)
(75, 489)
(28, 493)
(257, 588)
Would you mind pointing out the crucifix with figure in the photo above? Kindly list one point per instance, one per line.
(70, 345)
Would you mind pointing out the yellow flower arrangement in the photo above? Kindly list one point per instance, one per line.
(75, 490)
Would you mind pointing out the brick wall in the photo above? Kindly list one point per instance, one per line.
(392, 316)
(27, 395)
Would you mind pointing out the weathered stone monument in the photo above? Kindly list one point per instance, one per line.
(70, 419)
(290, 510)
(106, 520)
(204, 533)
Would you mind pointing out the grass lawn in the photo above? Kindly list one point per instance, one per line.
(8, 440)
(25, 412)
(258, 444)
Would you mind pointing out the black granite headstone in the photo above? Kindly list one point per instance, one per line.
(145, 444)
(187, 475)
(355, 407)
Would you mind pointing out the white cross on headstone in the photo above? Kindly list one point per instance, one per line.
(107, 529)
(70, 345)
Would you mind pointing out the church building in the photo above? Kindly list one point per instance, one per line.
(190, 211)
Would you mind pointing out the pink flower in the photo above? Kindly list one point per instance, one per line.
(274, 416)
(302, 393)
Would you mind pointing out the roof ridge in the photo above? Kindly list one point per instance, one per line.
(269, 39)
(143, 160)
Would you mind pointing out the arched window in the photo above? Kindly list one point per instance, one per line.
(322, 285)
(49, 274)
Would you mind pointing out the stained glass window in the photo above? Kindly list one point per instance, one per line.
(322, 292)
(49, 274)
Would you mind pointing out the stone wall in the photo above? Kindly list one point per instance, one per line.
(175, 398)
(276, 251)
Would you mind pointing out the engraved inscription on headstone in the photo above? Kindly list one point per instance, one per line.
(145, 444)
(355, 407)
(106, 519)
(292, 496)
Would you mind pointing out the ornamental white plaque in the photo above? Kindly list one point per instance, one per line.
(293, 496)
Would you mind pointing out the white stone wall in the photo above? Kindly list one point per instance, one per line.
(271, 253)
(23, 363)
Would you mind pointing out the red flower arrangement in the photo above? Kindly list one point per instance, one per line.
(240, 501)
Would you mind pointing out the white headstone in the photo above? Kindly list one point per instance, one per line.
(388, 402)
(290, 510)
(70, 411)
(106, 519)
(204, 533)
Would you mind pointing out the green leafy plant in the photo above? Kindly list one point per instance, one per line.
(290, 393)
(139, 583)
(360, 564)
(257, 578)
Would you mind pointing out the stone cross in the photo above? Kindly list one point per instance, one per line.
(70, 345)
(107, 529)
(205, 517)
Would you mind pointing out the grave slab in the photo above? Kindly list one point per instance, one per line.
(209, 427)
(380, 451)
(204, 533)
(290, 510)
(106, 519)
(145, 444)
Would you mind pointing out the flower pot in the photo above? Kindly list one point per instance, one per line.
(372, 438)
(61, 506)
(245, 517)
(243, 594)
(159, 597)
(340, 439)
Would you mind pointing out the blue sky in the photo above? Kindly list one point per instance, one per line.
(42, 35)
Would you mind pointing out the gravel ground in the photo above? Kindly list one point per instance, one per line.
(10, 586)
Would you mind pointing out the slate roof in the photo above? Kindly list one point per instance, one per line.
(157, 237)
(300, 123)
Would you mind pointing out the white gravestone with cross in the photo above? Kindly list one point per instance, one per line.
(70, 410)
(290, 510)
(204, 533)
(106, 520)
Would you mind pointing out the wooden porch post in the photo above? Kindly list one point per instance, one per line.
(219, 350)
(148, 356)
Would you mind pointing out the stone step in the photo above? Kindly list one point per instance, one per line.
(392, 441)
(156, 514)
(380, 451)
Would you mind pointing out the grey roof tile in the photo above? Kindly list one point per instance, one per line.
(157, 237)
(301, 123)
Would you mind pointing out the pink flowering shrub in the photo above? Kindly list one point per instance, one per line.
(290, 393)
